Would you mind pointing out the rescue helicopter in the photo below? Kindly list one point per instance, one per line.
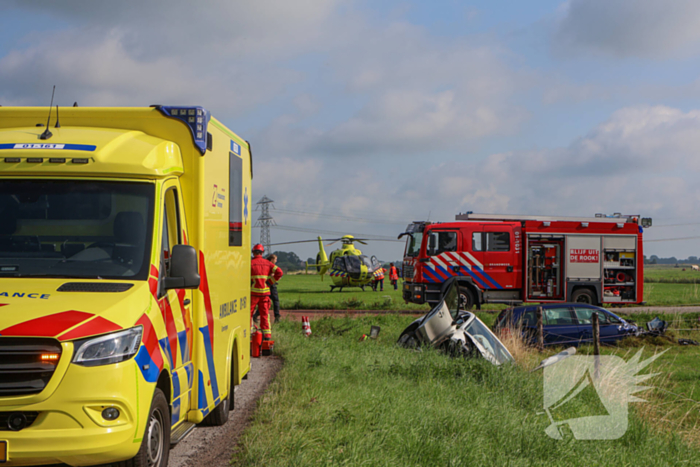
(347, 266)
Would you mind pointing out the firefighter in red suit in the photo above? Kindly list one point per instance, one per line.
(261, 271)
(394, 276)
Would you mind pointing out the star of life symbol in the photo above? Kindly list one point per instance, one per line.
(589, 395)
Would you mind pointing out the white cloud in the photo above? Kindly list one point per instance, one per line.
(628, 28)
(642, 160)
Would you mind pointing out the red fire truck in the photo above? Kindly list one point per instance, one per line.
(514, 259)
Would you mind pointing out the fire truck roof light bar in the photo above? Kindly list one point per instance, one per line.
(513, 217)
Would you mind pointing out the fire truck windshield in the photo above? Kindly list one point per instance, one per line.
(413, 242)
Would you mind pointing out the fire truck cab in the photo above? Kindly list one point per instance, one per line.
(515, 259)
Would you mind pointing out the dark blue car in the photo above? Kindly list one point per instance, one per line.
(565, 323)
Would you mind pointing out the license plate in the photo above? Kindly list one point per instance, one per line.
(3, 451)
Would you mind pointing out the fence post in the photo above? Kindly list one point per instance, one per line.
(596, 333)
(596, 343)
(540, 329)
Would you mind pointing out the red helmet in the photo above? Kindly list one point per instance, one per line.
(259, 248)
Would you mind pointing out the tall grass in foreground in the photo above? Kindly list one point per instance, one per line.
(338, 401)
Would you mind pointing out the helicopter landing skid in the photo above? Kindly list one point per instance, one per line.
(336, 287)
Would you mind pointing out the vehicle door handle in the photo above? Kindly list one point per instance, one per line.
(509, 268)
(186, 302)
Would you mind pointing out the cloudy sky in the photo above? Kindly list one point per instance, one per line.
(365, 115)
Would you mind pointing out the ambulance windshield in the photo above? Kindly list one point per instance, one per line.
(82, 229)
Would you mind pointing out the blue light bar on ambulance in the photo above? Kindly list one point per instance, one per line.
(196, 118)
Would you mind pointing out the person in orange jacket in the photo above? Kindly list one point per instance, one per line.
(262, 271)
(394, 276)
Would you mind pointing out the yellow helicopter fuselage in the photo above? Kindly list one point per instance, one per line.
(347, 266)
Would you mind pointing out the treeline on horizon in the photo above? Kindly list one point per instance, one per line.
(653, 259)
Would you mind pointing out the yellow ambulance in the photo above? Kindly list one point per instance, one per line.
(124, 281)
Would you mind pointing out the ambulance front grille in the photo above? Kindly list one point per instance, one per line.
(22, 370)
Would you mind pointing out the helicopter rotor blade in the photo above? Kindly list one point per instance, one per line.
(290, 243)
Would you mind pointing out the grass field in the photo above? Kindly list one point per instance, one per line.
(338, 401)
(671, 274)
(308, 292)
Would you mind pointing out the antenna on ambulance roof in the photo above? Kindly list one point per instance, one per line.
(58, 125)
(47, 134)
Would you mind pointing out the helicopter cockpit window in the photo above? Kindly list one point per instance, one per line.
(339, 263)
(353, 264)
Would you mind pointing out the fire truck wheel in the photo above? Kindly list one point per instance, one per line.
(466, 299)
(583, 296)
(155, 446)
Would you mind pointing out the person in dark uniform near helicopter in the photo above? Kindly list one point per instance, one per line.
(262, 271)
(394, 276)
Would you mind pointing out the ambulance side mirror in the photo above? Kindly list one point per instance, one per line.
(183, 268)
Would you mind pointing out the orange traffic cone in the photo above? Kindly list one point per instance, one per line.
(305, 326)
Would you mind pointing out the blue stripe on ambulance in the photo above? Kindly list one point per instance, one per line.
(176, 412)
(49, 146)
(148, 368)
(210, 362)
(165, 344)
(184, 346)
(202, 403)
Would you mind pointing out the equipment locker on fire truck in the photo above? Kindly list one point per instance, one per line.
(511, 259)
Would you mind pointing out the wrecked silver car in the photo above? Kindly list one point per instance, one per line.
(455, 331)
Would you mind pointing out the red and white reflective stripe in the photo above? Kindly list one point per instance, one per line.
(454, 259)
(476, 263)
(438, 262)
(459, 258)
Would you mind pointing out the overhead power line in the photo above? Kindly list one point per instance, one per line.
(670, 239)
(344, 218)
(333, 232)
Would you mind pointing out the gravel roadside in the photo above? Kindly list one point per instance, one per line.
(212, 446)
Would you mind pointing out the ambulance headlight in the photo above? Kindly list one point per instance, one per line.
(110, 348)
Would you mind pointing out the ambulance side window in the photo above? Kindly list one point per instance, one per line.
(171, 227)
(235, 207)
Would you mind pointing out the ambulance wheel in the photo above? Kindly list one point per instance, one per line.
(583, 296)
(219, 415)
(466, 299)
(155, 446)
